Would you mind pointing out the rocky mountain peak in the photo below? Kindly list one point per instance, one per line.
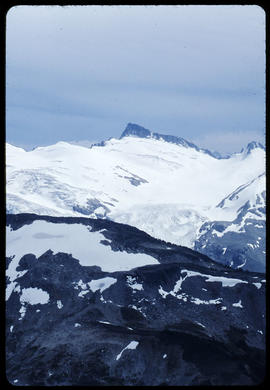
(252, 145)
(135, 130)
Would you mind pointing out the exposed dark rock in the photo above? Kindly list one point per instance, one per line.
(180, 322)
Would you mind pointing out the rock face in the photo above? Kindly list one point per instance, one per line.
(75, 318)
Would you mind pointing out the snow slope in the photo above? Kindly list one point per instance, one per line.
(165, 188)
(75, 239)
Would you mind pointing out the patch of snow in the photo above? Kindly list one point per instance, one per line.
(162, 292)
(74, 239)
(34, 296)
(226, 282)
(82, 285)
(12, 286)
(82, 293)
(198, 301)
(200, 324)
(241, 265)
(101, 284)
(21, 273)
(59, 304)
(22, 311)
(11, 328)
(182, 296)
(9, 288)
(17, 288)
(233, 227)
(178, 285)
(108, 300)
(131, 281)
(131, 345)
(164, 356)
(238, 304)
(138, 309)
(77, 324)
(258, 285)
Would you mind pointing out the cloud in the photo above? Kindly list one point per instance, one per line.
(85, 72)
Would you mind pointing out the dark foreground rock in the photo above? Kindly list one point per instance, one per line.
(184, 321)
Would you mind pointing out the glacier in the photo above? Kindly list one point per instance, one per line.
(164, 185)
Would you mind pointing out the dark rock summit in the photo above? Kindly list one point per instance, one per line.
(133, 129)
(139, 131)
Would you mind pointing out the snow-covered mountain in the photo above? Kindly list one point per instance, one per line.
(239, 242)
(164, 185)
(94, 302)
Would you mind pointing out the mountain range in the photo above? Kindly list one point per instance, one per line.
(161, 184)
(138, 261)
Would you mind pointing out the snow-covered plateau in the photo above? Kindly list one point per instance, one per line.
(163, 185)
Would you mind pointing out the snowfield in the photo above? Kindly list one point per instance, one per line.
(74, 239)
(165, 189)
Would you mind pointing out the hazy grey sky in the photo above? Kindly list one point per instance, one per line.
(81, 73)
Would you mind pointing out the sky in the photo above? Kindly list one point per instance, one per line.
(81, 73)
